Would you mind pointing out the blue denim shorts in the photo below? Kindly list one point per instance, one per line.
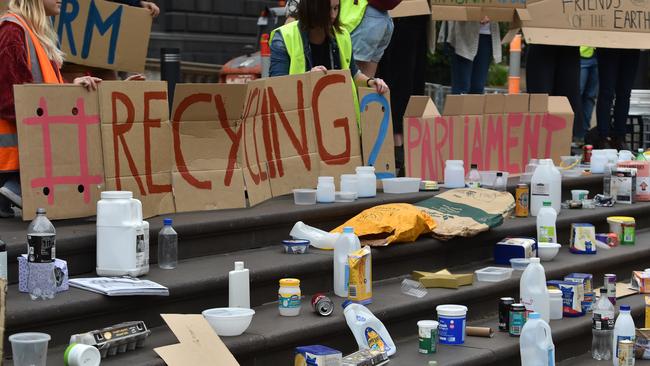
(372, 36)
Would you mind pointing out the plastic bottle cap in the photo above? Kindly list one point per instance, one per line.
(348, 230)
(167, 221)
(547, 203)
(625, 307)
(290, 282)
(534, 260)
(239, 266)
(474, 166)
(346, 303)
(40, 211)
(499, 174)
(533, 315)
(603, 290)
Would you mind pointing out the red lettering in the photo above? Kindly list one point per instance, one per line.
(552, 124)
(427, 168)
(234, 136)
(514, 121)
(440, 140)
(413, 141)
(531, 138)
(266, 136)
(325, 155)
(150, 123)
(494, 139)
(260, 176)
(118, 137)
(477, 143)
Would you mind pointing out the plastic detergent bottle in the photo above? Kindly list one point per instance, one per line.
(623, 329)
(239, 287)
(545, 185)
(546, 218)
(122, 236)
(368, 331)
(345, 244)
(533, 290)
(536, 344)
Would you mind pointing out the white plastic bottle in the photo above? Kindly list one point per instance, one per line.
(366, 181)
(368, 331)
(623, 329)
(533, 290)
(546, 217)
(345, 244)
(325, 191)
(454, 174)
(535, 343)
(239, 287)
(545, 185)
(474, 177)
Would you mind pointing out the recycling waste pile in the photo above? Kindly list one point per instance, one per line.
(466, 205)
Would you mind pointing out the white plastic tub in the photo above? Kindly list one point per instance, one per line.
(401, 185)
(304, 196)
(493, 274)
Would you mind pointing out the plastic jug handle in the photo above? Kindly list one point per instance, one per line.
(137, 205)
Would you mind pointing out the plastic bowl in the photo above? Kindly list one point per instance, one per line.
(295, 246)
(304, 196)
(547, 251)
(229, 322)
(401, 185)
(519, 264)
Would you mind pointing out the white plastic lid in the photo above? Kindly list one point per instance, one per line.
(451, 310)
(116, 195)
(326, 179)
(82, 355)
(554, 292)
(428, 324)
(348, 177)
(455, 162)
(534, 260)
(365, 169)
(239, 266)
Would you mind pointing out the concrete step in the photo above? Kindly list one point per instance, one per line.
(586, 360)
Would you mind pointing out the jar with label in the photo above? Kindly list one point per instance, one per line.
(366, 181)
(289, 297)
(325, 191)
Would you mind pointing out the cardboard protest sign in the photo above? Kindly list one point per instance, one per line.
(475, 10)
(3, 5)
(61, 166)
(104, 34)
(501, 134)
(206, 139)
(137, 142)
(409, 8)
(377, 132)
(607, 24)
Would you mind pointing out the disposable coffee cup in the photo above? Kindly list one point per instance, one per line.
(29, 349)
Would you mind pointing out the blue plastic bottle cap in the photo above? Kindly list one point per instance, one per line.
(533, 315)
(346, 303)
(625, 307)
(348, 230)
(167, 221)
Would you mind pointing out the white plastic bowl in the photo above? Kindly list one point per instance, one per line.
(401, 185)
(547, 251)
(229, 322)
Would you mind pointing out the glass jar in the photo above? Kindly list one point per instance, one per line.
(289, 297)
(325, 191)
(366, 182)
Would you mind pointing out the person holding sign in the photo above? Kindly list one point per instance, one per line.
(316, 42)
(28, 54)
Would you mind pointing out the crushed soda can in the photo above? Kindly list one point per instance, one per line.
(322, 305)
(603, 201)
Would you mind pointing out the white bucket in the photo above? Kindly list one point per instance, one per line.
(451, 327)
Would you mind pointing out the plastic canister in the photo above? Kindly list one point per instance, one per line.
(545, 185)
(454, 174)
(598, 161)
(427, 336)
(555, 302)
(624, 227)
(81, 355)
(289, 302)
(366, 181)
(122, 235)
(325, 191)
(349, 183)
(451, 319)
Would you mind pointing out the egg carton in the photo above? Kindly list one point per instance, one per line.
(115, 339)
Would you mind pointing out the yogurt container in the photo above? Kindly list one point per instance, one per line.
(451, 327)
(624, 227)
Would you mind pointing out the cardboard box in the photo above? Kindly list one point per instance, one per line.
(517, 103)
(494, 103)
(475, 10)
(409, 8)
(538, 103)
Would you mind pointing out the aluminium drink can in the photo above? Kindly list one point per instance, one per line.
(504, 312)
(522, 201)
(610, 285)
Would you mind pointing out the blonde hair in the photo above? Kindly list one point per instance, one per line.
(33, 12)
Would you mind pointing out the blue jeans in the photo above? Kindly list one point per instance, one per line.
(470, 76)
(588, 92)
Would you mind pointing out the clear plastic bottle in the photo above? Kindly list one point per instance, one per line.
(623, 329)
(546, 218)
(536, 343)
(602, 327)
(641, 155)
(500, 183)
(533, 290)
(41, 252)
(607, 178)
(345, 244)
(167, 246)
(474, 177)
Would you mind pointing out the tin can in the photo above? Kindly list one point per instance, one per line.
(322, 305)
(522, 200)
(610, 285)
(504, 312)
(517, 319)
(586, 154)
(625, 352)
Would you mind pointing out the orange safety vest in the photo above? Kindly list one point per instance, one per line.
(42, 72)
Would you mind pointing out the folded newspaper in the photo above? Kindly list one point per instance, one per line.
(119, 286)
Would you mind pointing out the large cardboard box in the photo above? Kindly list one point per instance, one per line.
(608, 24)
(409, 8)
(471, 10)
(419, 120)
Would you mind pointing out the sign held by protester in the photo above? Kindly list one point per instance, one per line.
(377, 132)
(103, 34)
(475, 10)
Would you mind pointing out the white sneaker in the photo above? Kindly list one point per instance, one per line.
(13, 197)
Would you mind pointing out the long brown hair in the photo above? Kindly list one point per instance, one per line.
(316, 14)
(33, 12)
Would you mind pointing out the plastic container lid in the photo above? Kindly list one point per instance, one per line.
(625, 307)
(348, 177)
(451, 310)
(346, 303)
(620, 219)
(326, 179)
(290, 282)
(239, 266)
(348, 230)
(167, 221)
(557, 293)
(499, 174)
(428, 324)
(534, 260)
(364, 169)
(533, 315)
(81, 355)
(474, 166)
(603, 290)
(116, 195)
(295, 242)
(40, 211)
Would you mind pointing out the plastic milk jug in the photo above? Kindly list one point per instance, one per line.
(368, 331)
(345, 244)
(545, 185)
(122, 236)
(546, 218)
(535, 343)
(533, 290)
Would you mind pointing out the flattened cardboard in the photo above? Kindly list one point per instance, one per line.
(125, 137)
(377, 132)
(538, 103)
(621, 24)
(127, 39)
(494, 103)
(409, 8)
(71, 186)
(419, 119)
(199, 344)
(555, 138)
(516, 103)
(471, 13)
(469, 104)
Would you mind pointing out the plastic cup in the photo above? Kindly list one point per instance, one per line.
(579, 194)
(29, 349)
